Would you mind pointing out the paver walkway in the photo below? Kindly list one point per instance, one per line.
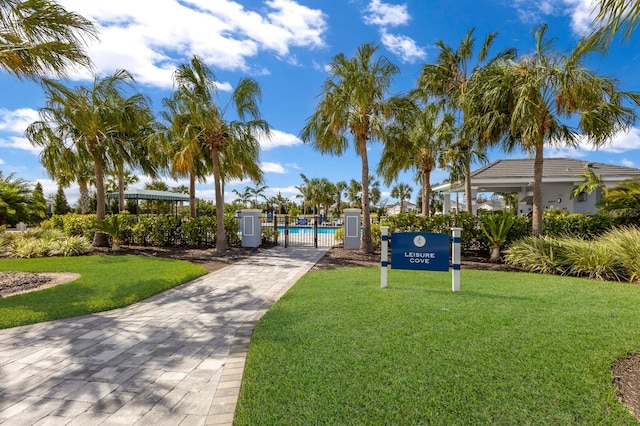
(174, 359)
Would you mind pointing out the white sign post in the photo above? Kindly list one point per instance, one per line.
(384, 256)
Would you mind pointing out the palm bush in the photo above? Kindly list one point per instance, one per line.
(496, 228)
(115, 227)
(42, 243)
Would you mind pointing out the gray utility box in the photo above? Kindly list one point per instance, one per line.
(251, 225)
(352, 229)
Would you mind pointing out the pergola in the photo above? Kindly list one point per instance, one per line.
(151, 195)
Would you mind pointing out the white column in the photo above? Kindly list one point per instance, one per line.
(384, 256)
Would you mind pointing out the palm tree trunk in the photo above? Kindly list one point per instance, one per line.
(366, 245)
(99, 239)
(192, 195)
(120, 188)
(426, 192)
(84, 200)
(536, 216)
(221, 237)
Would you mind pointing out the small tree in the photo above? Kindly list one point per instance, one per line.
(37, 206)
(60, 203)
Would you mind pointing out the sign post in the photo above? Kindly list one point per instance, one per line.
(421, 251)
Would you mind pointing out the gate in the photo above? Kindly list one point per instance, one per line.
(302, 230)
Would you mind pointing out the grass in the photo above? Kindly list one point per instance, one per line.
(510, 348)
(106, 282)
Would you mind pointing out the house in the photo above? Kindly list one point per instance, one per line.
(559, 178)
(408, 206)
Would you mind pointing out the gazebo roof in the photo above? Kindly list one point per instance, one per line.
(149, 194)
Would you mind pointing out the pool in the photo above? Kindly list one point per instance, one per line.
(322, 230)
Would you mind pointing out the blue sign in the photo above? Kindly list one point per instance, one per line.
(420, 250)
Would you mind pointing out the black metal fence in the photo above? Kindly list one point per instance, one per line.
(302, 230)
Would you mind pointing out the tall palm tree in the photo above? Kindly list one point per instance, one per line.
(542, 91)
(40, 37)
(86, 120)
(451, 80)
(189, 157)
(353, 101)
(233, 145)
(417, 144)
(402, 192)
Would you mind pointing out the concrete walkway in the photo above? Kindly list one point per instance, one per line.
(174, 359)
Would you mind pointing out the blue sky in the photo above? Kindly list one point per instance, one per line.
(286, 45)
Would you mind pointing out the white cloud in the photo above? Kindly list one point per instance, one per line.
(386, 15)
(627, 163)
(161, 34)
(16, 121)
(622, 142)
(403, 46)
(17, 142)
(268, 167)
(1, 161)
(279, 138)
(580, 11)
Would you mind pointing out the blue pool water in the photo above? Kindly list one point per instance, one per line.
(329, 230)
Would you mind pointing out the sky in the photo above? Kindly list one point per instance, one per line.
(286, 46)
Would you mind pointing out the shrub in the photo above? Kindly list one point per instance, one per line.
(624, 244)
(48, 242)
(583, 258)
(339, 235)
(537, 254)
(560, 223)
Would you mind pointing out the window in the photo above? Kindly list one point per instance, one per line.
(582, 196)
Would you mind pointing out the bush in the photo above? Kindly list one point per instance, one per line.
(537, 254)
(583, 258)
(624, 244)
(48, 242)
(558, 223)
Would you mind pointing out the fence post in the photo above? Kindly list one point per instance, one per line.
(384, 256)
(455, 259)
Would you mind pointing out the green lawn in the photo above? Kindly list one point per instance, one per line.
(509, 349)
(106, 282)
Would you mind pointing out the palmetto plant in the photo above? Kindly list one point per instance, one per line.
(496, 228)
(115, 226)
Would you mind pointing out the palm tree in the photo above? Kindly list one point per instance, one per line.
(618, 14)
(451, 80)
(592, 182)
(353, 101)
(255, 192)
(541, 90)
(40, 37)
(189, 157)
(233, 145)
(354, 193)
(402, 192)
(340, 190)
(417, 144)
(86, 120)
(15, 199)
(623, 200)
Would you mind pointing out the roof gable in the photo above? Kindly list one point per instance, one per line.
(552, 168)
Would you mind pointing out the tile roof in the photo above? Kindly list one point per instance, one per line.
(552, 168)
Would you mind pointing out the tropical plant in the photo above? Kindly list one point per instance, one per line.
(40, 37)
(452, 79)
(402, 192)
(88, 122)
(353, 101)
(15, 200)
(592, 182)
(530, 101)
(233, 144)
(417, 143)
(114, 226)
(536, 254)
(189, 157)
(623, 201)
(496, 228)
(37, 206)
(617, 15)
